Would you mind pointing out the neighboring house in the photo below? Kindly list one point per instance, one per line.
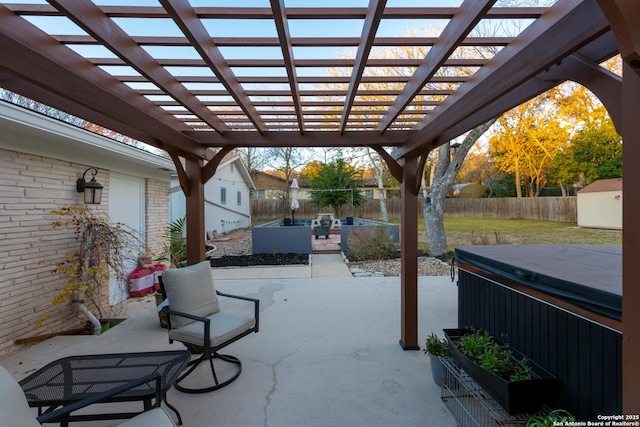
(226, 198)
(600, 204)
(369, 188)
(40, 160)
(269, 187)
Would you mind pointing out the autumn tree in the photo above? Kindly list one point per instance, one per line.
(527, 140)
(336, 185)
(311, 170)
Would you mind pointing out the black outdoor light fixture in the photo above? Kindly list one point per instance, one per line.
(92, 190)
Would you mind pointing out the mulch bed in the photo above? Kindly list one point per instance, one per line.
(259, 259)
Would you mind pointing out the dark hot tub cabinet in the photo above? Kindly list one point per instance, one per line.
(559, 305)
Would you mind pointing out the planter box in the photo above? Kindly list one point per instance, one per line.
(514, 396)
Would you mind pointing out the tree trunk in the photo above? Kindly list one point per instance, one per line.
(433, 213)
(378, 166)
(442, 180)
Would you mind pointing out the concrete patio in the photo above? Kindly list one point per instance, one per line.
(327, 354)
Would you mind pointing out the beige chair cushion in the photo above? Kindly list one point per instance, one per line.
(13, 403)
(190, 290)
(224, 326)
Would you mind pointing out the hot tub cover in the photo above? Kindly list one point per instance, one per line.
(589, 276)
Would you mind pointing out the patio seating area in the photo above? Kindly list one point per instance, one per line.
(327, 354)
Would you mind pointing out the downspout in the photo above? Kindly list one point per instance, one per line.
(97, 327)
(88, 237)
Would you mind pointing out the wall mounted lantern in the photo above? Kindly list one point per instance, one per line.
(92, 190)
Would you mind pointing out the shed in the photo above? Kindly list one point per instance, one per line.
(600, 204)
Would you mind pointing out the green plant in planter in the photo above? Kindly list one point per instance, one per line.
(554, 418)
(480, 347)
(436, 346)
(175, 247)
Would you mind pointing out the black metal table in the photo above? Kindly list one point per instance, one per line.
(74, 378)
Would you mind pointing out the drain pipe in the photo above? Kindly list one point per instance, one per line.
(97, 327)
(85, 248)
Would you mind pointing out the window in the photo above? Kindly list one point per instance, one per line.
(223, 195)
(239, 198)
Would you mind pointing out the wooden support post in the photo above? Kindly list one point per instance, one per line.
(409, 251)
(195, 211)
(630, 242)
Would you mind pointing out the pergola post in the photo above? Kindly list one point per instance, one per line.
(623, 17)
(630, 242)
(409, 250)
(195, 210)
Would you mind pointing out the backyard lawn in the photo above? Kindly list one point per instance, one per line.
(491, 231)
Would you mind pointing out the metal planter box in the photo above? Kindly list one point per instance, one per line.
(514, 396)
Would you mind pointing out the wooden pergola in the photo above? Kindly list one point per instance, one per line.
(166, 75)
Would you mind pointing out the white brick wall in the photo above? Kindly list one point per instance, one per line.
(157, 214)
(30, 188)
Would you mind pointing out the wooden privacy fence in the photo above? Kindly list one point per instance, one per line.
(562, 209)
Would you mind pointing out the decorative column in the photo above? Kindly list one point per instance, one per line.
(409, 249)
(195, 210)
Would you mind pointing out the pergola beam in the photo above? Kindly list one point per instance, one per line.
(291, 13)
(295, 139)
(80, 39)
(565, 28)
(59, 71)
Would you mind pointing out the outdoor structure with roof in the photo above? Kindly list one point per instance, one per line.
(168, 75)
(600, 204)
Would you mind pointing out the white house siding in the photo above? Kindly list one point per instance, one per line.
(222, 216)
(30, 187)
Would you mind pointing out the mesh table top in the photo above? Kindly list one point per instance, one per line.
(78, 377)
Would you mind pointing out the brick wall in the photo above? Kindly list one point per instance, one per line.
(30, 187)
(157, 214)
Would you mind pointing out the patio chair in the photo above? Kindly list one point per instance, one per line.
(15, 409)
(196, 320)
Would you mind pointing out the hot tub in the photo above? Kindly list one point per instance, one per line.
(560, 305)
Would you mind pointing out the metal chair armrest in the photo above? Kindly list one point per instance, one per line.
(66, 410)
(255, 301)
(168, 310)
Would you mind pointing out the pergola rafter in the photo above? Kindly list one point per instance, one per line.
(185, 17)
(91, 19)
(459, 26)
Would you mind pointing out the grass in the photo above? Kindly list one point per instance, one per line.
(491, 231)
(487, 231)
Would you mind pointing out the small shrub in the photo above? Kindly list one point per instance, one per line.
(368, 243)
